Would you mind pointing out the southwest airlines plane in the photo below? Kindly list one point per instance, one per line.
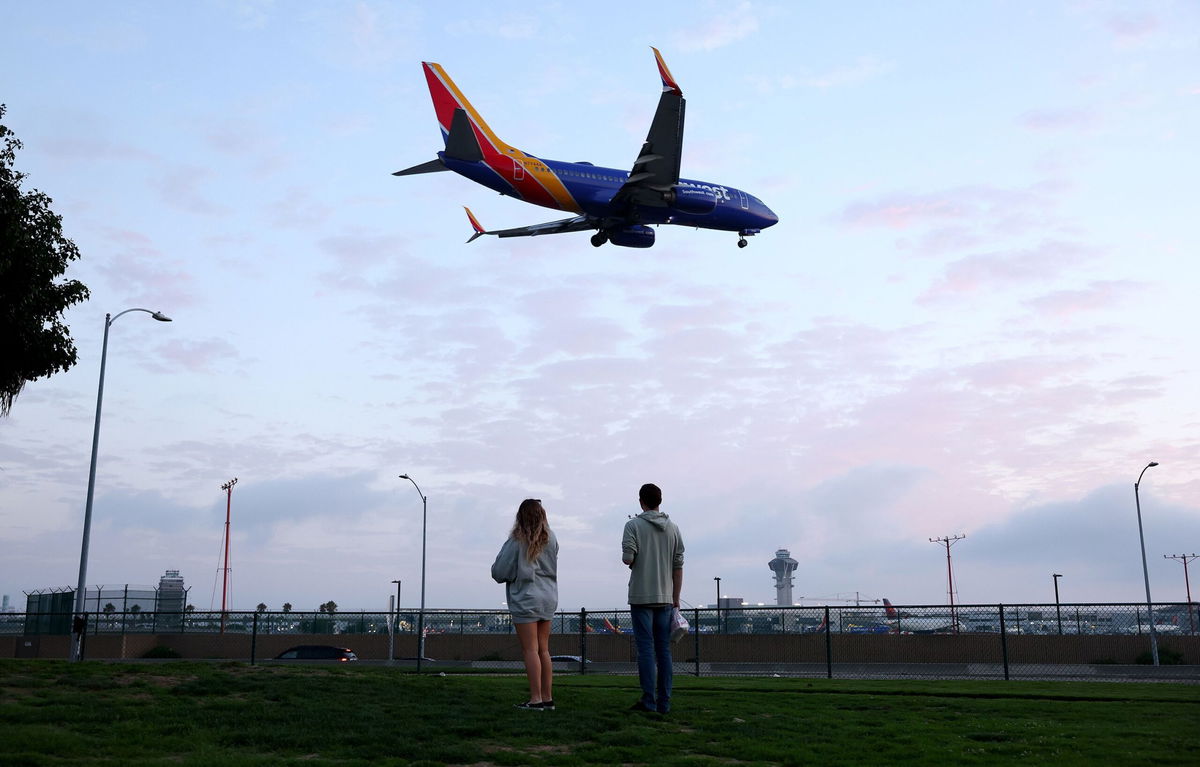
(617, 205)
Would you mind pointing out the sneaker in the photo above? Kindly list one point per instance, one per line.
(547, 705)
(639, 706)
(527, 706)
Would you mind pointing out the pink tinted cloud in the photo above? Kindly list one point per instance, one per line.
(182, 187)
(1132, 30)
(993, 271)
(958, 210)
(140, 273)
(198, 356)
(1098, 296)
(1053, 120)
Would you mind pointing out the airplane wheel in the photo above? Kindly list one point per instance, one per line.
(742, 243)
(598, 239)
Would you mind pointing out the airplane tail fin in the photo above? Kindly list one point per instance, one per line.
(459, 132)
(608, 625)
(891, 611)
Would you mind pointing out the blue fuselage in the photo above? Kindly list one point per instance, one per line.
(591, 190)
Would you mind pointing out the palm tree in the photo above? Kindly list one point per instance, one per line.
(287, 607)
(262, 608)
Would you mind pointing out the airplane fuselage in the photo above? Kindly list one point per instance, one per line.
(591, 188)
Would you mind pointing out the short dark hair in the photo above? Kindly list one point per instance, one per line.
(650, 495)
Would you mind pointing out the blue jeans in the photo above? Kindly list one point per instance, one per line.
(652, 635)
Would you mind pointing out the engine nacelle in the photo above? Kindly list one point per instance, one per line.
(694, 200)
(636, 236)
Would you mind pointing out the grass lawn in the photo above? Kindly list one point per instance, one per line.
(178, 713)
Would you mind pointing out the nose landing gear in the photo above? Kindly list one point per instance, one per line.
(742, 242)
(599, 238)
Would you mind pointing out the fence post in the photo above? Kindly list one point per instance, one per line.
(696, 634)
(828, 647)
(1004, 642)
(583, 640)
(254, 639)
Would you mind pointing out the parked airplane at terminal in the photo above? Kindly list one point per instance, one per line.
(617, 205)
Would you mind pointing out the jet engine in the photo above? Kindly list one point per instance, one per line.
(635, 236)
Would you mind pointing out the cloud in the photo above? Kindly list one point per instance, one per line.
(1055, 120)
(725, 27)
(996, 271)
(1098, 296)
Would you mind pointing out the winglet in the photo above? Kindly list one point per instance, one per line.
(668, 81)
(479, 230)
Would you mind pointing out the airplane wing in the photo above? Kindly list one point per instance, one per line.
(573, 224)
(656, 170)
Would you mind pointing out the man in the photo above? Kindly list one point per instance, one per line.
(653, 549)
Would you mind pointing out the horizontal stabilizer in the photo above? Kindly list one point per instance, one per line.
(433, 166)
(462, 144)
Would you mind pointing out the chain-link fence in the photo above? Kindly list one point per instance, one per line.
(888, 641)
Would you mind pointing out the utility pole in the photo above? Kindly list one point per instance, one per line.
(228, 488)
(950, 540)
(1057, 608)
(1185, 558)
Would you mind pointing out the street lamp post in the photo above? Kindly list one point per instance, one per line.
(1145, 570)
(421, 614)
(80, 619)
(1057, 608)
(718, 604)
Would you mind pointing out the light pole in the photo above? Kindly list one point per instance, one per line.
(1145, 570)
(718, 604)
(395, 618)
(421, 614)
(1057, 609)
(80, 621)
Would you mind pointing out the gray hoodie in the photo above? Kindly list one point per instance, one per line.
(653, 545)
(531, 587)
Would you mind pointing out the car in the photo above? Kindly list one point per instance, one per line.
(569, 659)
(317, 652)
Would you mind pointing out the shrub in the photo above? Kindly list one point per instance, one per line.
(1166, 657)
(161, 651)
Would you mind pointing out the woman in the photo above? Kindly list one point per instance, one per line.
(528, 566)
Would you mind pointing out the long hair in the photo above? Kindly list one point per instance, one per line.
(531, 527)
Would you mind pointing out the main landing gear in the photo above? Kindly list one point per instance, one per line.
(599, 238)
(742, 242)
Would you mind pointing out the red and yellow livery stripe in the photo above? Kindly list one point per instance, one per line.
(531, 178)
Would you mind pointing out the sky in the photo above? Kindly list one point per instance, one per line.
(977, 315)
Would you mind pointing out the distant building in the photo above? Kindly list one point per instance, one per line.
(783, 566)
(171, 599)
(172, 596)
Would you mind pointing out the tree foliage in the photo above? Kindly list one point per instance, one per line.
(34, 341)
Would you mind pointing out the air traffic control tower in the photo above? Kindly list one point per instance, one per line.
(783, 566)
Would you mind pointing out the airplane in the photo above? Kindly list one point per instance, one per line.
(619, 206)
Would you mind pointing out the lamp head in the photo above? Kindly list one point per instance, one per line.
(1152, 463)
(1057, 575)
(404, 476)
(160, 316)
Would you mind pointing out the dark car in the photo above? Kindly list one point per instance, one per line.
(317, 652)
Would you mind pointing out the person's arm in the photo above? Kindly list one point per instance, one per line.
(628, 544)
(676, 585)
